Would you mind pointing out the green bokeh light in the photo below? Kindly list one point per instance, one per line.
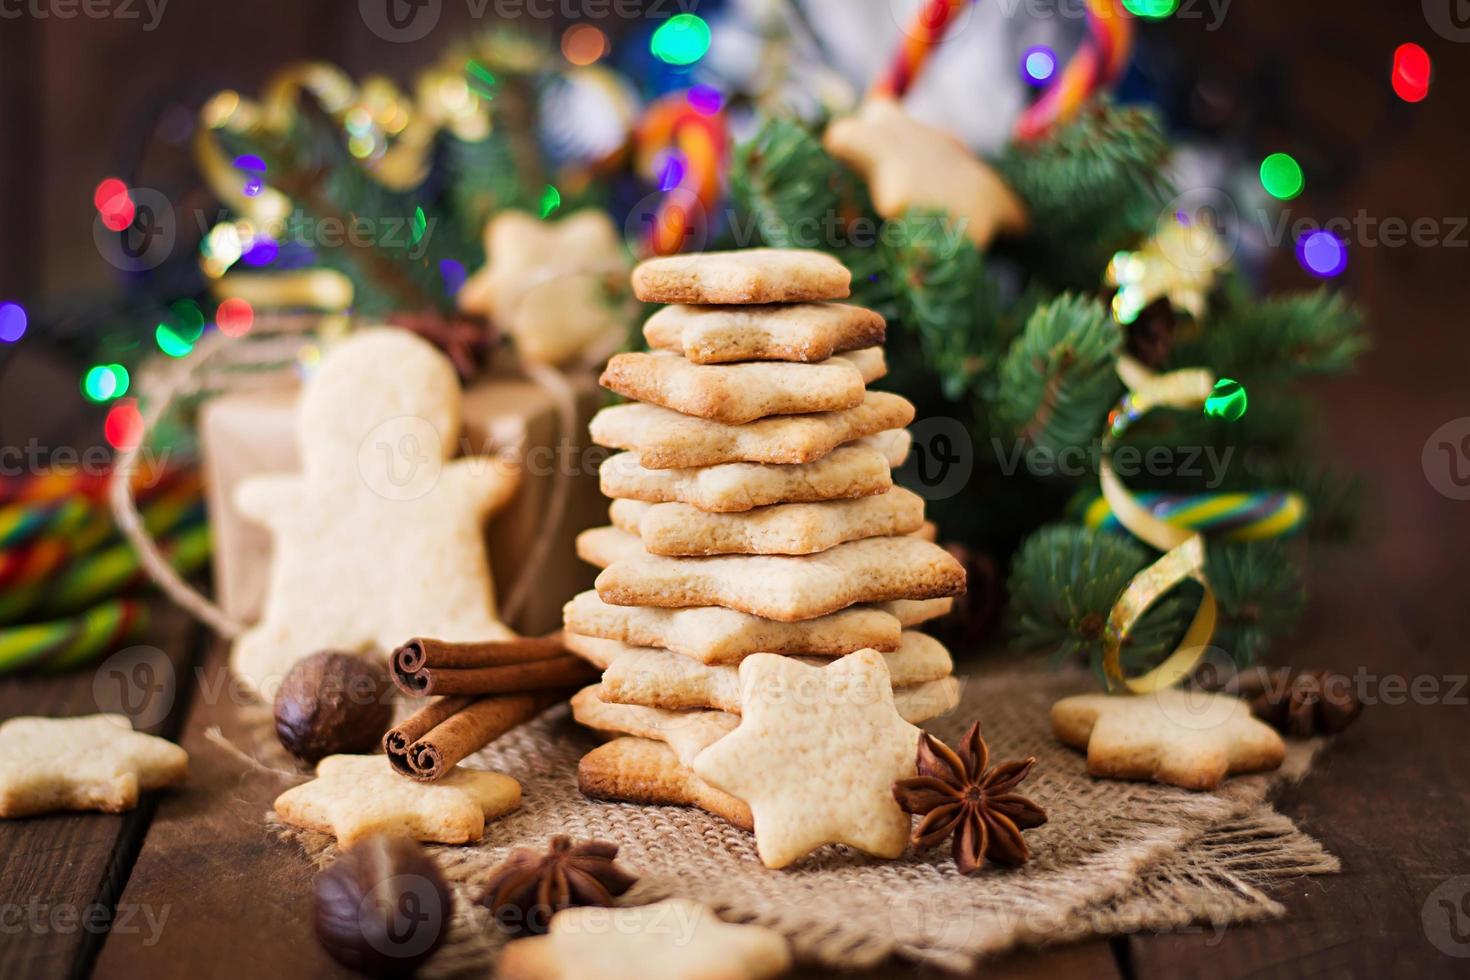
(1281, 176)
(420, 224)
(170, 342)
(1151, 9)
(105, 381)
(550, 200)
(1227, 400)
(681, 40)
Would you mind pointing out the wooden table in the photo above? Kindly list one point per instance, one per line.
(200, 889)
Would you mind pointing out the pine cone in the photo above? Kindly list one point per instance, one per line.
(1297, 703)
(974, 614)
(1151, 335)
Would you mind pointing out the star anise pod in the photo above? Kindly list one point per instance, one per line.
(1298, 703)
(956, 793)
(529, 887)
(467, 339)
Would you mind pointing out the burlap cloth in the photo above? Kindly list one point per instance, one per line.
(1115, 857)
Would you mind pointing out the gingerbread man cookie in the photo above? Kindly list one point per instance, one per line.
(380, 538)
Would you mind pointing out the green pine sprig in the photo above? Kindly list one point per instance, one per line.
(1057, 382)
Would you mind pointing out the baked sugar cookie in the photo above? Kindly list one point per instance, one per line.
(95, 762)
(809, 332)
(752, 275)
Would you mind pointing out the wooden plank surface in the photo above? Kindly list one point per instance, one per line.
(60, 874)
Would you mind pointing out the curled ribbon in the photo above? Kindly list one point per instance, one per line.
(1184, 550)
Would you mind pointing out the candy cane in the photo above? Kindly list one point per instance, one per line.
(1099, 62)
(923, 35)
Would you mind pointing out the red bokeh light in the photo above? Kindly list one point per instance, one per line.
(124, 425)
(235, 317)
(1411, 72)
(114, 204)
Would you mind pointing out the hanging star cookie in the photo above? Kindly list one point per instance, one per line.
(815, 756)
(1185, 738)
(551, 284)
(910, 164)
(354, 796)
(381, 537)
(675, 939)
(92, 763)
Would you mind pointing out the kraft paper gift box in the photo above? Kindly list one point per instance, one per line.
(251, 433)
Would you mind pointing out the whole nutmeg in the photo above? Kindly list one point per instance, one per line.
(383, 907)
(333, 703)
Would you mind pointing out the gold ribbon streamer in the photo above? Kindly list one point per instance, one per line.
(1184, 551)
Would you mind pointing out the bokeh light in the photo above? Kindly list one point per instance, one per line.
(13, 322)
(114, 204)
(1038, 65)
(234, 317)
(583, 44)
(681, 40)
(105, 381)
(254, 166)
(124, 425)
(418, 225)
(1411, 72)
(1227, 400)
(171, 342)
(1322, 254)
(705, 99)
(1281, 176)
(263, 251)
(1151, 9)
(671, 170)
(453, 274)
(550, 200)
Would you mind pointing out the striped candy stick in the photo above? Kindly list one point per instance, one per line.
(64, 643)
(1098, 63)
(1230, 516)
(117, 569)
(921, 37)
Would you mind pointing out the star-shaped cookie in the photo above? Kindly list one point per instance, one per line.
(675, 939)
(381, 536)
(910, 164)
(1185, 738)
(96, 762)
(550, 284)
(816, 755)
(354, 796)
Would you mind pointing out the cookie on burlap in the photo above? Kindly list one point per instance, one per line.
(659, 678)
(355, 796)
(783, 587)
(752, 275)
(740, 393)
(1191, 739)
(95, 762)
(857, 469)
(815, 757)
(688, 731)
(780, 529)
(381, 536)
(641, 770)
(808, 332)
(675, 939)
(712, 635)
(665, 439)
(548, 283)
(909, 164)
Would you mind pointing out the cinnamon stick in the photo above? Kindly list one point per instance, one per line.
(466, 731)
(399, 739)
(424, 666)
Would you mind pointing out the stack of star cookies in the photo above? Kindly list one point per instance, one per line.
(754, 512)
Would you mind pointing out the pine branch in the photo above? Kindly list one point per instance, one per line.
(1300, 334)
(1093, 186)
(1261, 595)
(1063, 584)
(949, 297)
(1057, 382)
(797, 196)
